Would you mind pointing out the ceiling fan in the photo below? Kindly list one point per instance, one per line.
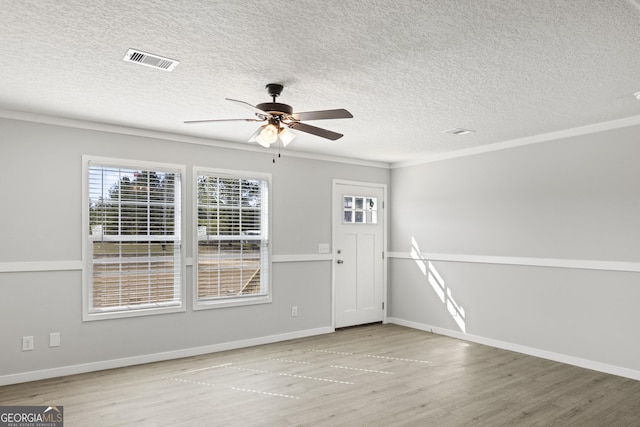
(279, 117)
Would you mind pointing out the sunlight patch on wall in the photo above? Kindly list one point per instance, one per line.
(438, 285)
(436, 281)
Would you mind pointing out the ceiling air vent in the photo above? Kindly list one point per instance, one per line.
(150, 60)
(458, 131)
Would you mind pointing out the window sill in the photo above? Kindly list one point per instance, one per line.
(155, 311)
(231, 302)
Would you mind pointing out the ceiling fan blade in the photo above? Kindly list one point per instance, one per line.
(323, 133)
(323, 114)
(254, 137)
(224, 120)
(249, 106)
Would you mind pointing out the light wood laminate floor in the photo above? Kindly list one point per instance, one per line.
(373, 375)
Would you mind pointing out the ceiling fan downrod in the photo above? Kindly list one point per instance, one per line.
(274, 90)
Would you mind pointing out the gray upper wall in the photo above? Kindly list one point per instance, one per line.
(41, 173)
(572, 198)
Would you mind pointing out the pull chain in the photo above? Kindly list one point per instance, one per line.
(274, 151)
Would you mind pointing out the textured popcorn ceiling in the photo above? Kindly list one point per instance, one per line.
(407, 70)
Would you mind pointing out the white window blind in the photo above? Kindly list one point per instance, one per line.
(134, 240)
(232, 238)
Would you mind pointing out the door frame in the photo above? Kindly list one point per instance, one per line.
(334, 226)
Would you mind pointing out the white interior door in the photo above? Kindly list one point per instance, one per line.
(358, 245)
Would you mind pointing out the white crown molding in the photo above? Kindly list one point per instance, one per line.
(504, 145)
(131, 131)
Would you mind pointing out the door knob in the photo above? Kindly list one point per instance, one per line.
(340, 261)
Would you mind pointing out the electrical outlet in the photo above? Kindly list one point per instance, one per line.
(294, 311)
(323, 248)
(54, 339)
(27, 343)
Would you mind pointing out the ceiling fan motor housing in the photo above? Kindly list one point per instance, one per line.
(275, 108)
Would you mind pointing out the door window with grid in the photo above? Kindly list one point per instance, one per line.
(134, 247)
(359, 210)
(232, 248)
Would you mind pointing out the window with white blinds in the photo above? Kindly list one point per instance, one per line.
(232, 249)
(134, 245)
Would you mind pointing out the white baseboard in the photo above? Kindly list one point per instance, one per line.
(544, 354)
(157, 357)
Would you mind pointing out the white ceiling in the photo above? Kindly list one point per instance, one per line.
(407, 70)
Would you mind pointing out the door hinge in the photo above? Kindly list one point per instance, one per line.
(383, 305)
(382, 255)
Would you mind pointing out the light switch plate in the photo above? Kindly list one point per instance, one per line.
(54, 339)
(323, 248)
(27, 343)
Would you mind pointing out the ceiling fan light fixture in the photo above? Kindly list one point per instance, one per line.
(268, 135)
(286, 136)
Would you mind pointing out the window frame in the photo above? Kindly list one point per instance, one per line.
(175, 306)
(200, 304)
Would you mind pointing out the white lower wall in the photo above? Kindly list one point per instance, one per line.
(156, 357)
(583, 317)
(557, 357)
(38, 303)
